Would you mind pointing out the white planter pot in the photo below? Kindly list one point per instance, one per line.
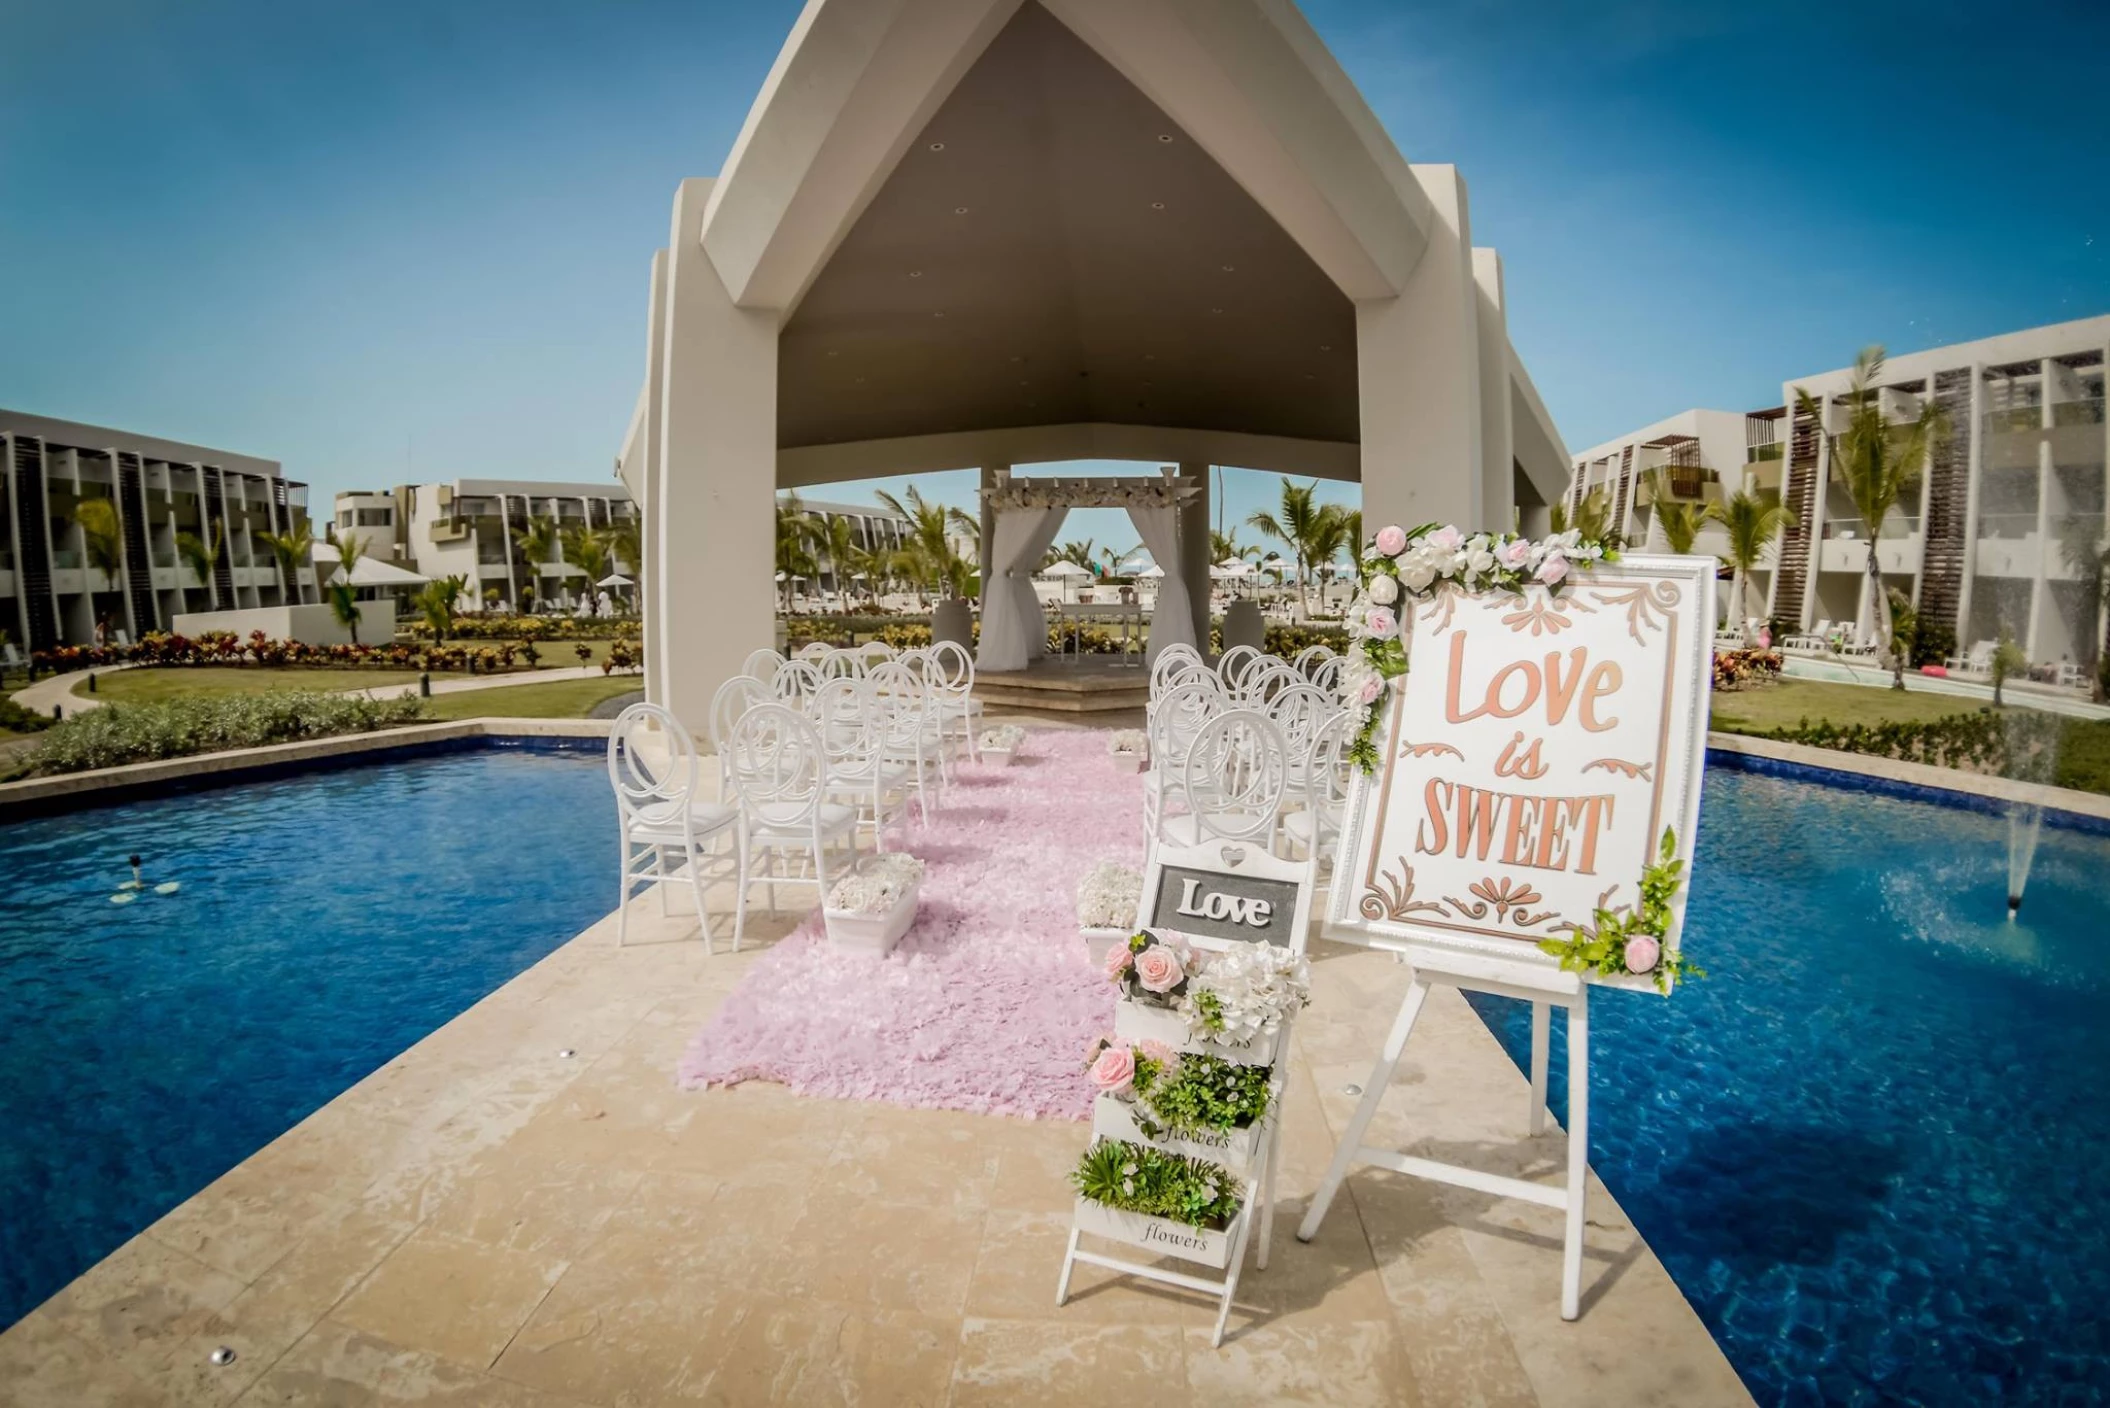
(872, 933)
(996, 757)
(1156, 1234)
(1138, 1021)
(1233, 1148)
(1128, 763)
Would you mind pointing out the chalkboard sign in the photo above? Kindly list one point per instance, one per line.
(1227, 892)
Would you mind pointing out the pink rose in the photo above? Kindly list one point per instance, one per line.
(1446, 539)
(1553, 569)
(1381, 623)
(1372, 687)
(1391, 540)
(1117, 960)
(1155, 1050)
(1158, 969)
(1514, 554)
(1114, 1073)
(1642, 953)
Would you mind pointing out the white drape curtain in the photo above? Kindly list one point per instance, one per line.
(1172, 619)
(1014, 632)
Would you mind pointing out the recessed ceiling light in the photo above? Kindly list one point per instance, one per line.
(1230, 268)
(860, 381)
(937, 146)
(959, 210)
(1216, 310)
(1157, 205)
(1326, 347)
(937, 315)
(1018, 359)
(833, 353)
(1164, 136)
(1150, 356)
(915, 273)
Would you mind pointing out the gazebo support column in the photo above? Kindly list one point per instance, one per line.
(1418, 365)
(1194, 562)
(715, 541)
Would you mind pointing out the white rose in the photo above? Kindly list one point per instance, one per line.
(1416, 576)
(1383, 590)
(1480, 560)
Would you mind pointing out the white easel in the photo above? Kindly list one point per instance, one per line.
(1561, 990)
(1225, 1251)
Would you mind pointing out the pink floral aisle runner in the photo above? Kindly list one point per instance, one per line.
(989, 1001)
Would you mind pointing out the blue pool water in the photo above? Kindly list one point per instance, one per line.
(1873, 1147)
(325, 922)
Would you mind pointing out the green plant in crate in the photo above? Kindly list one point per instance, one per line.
(1138, 1178)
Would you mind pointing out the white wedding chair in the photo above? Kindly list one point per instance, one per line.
(779, 772)
(1233, 780)
(797, 681)
(953, 682)
(1310, 658)
(1326, 675)
(814, 650)
(858, 772)
(652, 765)
(1171, 730)
(1321, 786)
(762, 664)
(907, 729)
(1231, 666)
(734, 698)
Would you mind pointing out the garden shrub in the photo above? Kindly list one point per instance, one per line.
(534, 628)
(1741, 669)
(136, 733)
(16, 719)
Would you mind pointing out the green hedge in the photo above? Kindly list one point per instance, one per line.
(137, 733)
(2026, 744)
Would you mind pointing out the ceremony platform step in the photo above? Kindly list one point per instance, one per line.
(1061, 687)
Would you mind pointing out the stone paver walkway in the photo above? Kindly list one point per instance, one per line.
(524, 1210)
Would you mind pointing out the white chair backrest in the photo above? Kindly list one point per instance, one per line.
(1180, 717)
(1310, 658)
(1299, 711)
(1327, 765)
(734, 698)
(797, 681)
(762, 664)
(815, 650)
(842, 664)
(1231, 666)
(1327, 674)
(955, 669)
(651, 761)
(1235, 773)
(841, 710)
(875, 651)
(777, 765)
(1262, 681)
(1174, 663)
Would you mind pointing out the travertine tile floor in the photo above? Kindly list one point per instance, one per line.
(487, 1221)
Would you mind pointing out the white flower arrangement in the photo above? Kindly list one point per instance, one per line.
(1401, 565)
(878, 887)
(1128, 740)
(1108, 895)
(1245, 994)
(1004, 738)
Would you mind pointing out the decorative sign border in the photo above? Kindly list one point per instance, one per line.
(1253, 862)
(1492, 929)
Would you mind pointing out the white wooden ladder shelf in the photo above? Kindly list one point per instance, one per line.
(1269, 902)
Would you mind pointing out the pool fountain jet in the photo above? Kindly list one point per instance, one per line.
(2025, 822)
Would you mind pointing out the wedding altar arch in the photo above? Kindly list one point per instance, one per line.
(1024, 515)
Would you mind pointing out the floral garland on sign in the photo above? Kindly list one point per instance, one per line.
(1419, 563)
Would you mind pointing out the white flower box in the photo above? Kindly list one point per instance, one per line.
(1157, 1234)
(996, 757)
(1114, 1118)
(872, 933)
(1139, 1021)
(1127, 763)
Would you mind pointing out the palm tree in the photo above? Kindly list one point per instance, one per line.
(837, 538)
(201, 555)
(1876, 462)
(291, 548)
(536, 544)
(1330, 536)
(1753, 523)
(1681, 522)
(1591, 519)
(626, 542)
(435, 602)
(342, 596)
(927, 556)
(1079, 554)
(1294, 527)
(794, 543)
(99, 532)
(2009, 659)
(587, 549)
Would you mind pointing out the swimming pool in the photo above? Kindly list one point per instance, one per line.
(325, 922)
(1873, 1148)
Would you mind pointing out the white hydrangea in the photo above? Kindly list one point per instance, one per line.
(1257, 988)
(1127, 740)
(1004, 738)
(1108, 896)
(877, 885)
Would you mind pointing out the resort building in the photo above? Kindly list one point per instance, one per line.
(1984, 545)
(474, 528)
(51, 590)
(992, 234)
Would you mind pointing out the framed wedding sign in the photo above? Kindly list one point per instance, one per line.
(1536, 779)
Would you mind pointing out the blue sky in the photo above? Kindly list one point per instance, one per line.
(388, 240)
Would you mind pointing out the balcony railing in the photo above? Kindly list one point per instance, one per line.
(2007, 525)
(1895, 525)
(67, 558)
(1760, 453)
(2088, 412)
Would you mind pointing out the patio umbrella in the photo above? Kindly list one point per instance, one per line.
(615, 579)
(372, 572)
(1153, 571)
(1231, 567)
(1065, 571)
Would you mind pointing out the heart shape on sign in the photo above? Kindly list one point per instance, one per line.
(1234, 856)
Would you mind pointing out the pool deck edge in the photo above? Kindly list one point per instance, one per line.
(1916, 776)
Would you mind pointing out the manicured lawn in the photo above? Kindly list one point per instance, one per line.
(142, 685)
(1787, 702)
(558, 699)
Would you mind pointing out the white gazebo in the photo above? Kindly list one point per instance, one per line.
(992, 233)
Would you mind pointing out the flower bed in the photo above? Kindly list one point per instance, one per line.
(1741, 669)
(224, 648)
(136, 733)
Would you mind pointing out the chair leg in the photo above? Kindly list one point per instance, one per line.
(659, 868)
(740, 901)
(703, 915)
(622, 903)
